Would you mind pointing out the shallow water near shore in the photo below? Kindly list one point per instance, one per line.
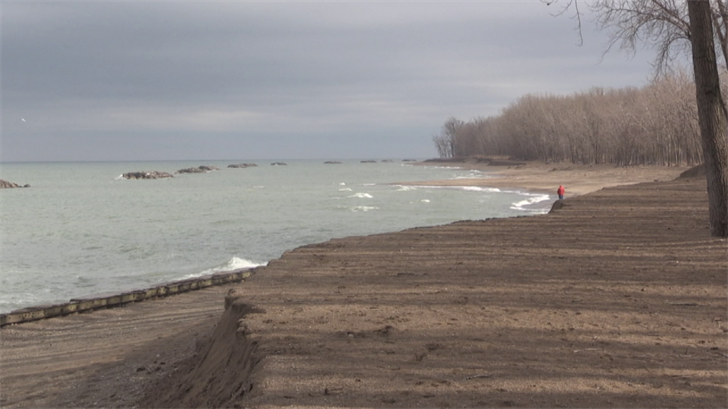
(81, 230)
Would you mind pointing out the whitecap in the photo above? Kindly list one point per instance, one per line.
(233, 264)
(481, 189)
(362, 208)
(362, 195)
(345, 189)
(532, 200)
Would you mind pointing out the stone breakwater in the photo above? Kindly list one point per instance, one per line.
(199, 169)
(147, 175)
(87, 304)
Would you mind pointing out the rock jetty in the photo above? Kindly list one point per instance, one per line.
(4, 184)
(199, 169)
(242, 165)
(155, 174)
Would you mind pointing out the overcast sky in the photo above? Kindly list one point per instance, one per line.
(279, 80)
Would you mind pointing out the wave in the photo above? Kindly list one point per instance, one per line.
(362, 195)
(233, 264)
(523, 205)
(362, 208)
(467, 188)
(474, 174)
(481, 189)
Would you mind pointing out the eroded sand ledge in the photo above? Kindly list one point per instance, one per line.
(618, 299)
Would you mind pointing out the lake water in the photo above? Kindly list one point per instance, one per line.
(82, 230)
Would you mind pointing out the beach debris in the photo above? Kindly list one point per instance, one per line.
(485, 375)
(683, 304)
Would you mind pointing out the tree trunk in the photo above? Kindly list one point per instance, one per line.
(711, 114)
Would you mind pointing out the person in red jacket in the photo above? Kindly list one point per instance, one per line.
(560, 191)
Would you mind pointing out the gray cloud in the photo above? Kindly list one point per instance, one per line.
(277, 80)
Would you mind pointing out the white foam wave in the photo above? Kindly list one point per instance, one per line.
(233, 264)
(345, 189)
(406, 188)
(425, 201)
(469, 188)
(481, 189)
(120, 177)
(472, 175)
(362, 195)
(532, 200)
(362, 208)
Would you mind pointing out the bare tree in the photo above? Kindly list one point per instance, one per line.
(666, 24)
(711, 114)
(447, 142)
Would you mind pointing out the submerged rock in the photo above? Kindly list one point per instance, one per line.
(155, 174)
(332, 162)
(242, 165)
(278, 164)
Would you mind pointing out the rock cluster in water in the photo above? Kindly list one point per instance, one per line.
(155, 174)
(4, 184)
(242, 165)
(332, 162)
(199, 169)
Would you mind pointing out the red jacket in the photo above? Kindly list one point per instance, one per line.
(560, 191)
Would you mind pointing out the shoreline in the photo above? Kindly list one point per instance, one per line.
(617, 299)
(539, 177)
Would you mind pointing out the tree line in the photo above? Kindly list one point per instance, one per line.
(656, 124)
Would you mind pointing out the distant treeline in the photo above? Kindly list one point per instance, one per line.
(653, 125)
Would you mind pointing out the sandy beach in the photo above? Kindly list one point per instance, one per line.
(617, 299)
(545, 178)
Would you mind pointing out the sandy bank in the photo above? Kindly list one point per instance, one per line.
(616, 300)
